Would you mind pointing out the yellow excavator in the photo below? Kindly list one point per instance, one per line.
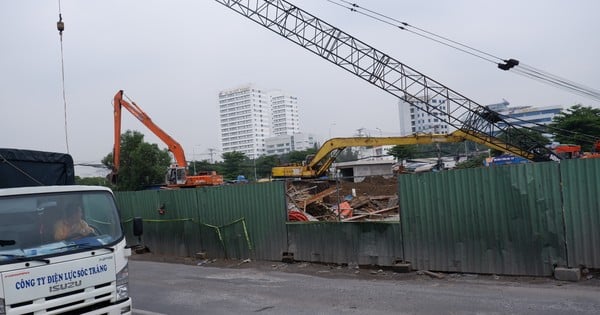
(318, 164)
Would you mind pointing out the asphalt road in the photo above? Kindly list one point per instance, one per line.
(172, 288)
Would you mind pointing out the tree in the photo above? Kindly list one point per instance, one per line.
(576, 125)
(142, 164)
(403, 152)
(265, 164)
(347, 155)
(204, 165)
(472, 162)
(297, 156)
(526, 137)
(234, 164)
(92, 181)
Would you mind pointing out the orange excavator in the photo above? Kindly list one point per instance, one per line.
(177, 175)
(573, 151)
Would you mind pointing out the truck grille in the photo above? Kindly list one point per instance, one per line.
(70, 303)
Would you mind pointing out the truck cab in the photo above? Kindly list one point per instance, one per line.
(80, 274)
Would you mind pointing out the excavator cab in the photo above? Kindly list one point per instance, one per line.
(176, 175)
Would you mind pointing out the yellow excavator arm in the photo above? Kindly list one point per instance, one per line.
(317, 165)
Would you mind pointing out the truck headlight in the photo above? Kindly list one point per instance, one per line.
(123, 283)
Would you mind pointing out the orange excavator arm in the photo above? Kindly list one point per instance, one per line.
(134, 109)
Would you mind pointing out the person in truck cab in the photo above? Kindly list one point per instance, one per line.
(72, 226)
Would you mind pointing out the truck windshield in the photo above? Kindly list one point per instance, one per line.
(52, 224)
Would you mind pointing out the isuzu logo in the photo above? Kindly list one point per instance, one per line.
(65, 286)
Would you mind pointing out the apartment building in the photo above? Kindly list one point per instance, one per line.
(415, 119)
(245, 120)
(284, 108)
(250, 115)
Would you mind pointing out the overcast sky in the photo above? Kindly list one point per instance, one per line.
(173, 57)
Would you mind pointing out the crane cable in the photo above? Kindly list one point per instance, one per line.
(60, 25)
(503, 64)
(590, 139)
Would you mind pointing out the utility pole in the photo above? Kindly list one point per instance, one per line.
(211, 151)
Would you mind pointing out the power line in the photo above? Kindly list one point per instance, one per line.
(503, 64)
(60, 25)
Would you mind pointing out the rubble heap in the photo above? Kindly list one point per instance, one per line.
(373, 199)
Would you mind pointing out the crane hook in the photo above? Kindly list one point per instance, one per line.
(60, 25)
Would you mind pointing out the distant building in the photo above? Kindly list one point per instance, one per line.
(245, 120)
(283, 144)
(249, 116)
(284, 109)
(526, 116)
(414, 118)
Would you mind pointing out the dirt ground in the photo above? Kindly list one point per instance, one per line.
(374, 273)
(370, 186)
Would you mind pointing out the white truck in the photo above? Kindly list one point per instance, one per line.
(40, 274)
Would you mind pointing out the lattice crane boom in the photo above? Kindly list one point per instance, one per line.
(478, 122)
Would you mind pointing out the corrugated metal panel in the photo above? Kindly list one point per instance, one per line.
(135, 204)
(261, 205)
(237, 221)
(581, 192)
(502, 220)
(364, 243)
(163, 233)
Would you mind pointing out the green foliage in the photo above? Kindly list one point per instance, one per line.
(234, 164)
(577, 125)
(142, 164)
(472, 162)
(204, 165)
(92, 181)
(347, 155)
(526, 138)
(297, 156)
(264, 164)
(403, 152)
(418, 151)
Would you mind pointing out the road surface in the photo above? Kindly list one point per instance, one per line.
(173, 288)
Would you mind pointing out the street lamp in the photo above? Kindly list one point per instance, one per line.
(194, 156)
(330, 125)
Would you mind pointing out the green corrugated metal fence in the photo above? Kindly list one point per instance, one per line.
(503, 220)
(514, 220)
(363, 243)
(238, 221)
(581, 192)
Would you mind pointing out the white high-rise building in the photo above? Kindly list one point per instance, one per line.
(249, 116)
(414, 119)
(284, 108)
(245, 120)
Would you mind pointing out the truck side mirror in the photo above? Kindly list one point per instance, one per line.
(138, 226)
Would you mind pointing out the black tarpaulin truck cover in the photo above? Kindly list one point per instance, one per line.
(21, 168)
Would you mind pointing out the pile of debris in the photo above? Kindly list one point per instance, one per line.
(373, 199)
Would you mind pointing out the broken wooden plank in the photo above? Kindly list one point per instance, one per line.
(366, 215)
(319, 196)
(382, 197)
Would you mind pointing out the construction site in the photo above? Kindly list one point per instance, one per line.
(528, 209)
(373, 199)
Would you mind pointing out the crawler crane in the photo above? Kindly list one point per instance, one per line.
(470, 120)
